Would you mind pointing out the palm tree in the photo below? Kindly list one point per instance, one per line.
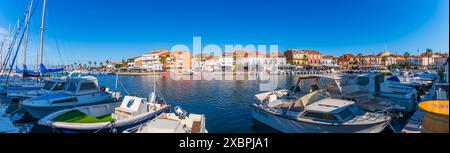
(101, 64)
(305, 58)
(95, 63)
(429, 54)
(407, 62)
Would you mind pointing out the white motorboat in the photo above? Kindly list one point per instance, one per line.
(178, 122)
(112, 117)
(82, 91)
(315, 112)
(369, 86)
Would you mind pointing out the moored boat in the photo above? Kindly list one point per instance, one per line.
(177, 122)
(113, 117)
(81, 91)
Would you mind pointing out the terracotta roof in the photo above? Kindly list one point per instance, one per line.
(349, 55)
(275, 54)
(311, 52)
(327, 57)
(212, 58)
(157, 51)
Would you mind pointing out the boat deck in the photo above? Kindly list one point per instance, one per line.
(196, 127)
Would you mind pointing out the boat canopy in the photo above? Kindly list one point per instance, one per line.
(42, 69)
(26, 72)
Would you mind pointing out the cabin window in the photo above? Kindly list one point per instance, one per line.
(322, 116)
(66, 100)
(346, 113)
(59, 86)
(88, 86)
(72, 87)
(48, 85)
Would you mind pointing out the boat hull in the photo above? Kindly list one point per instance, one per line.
(287, 125)
(117, 127)
(39, 112)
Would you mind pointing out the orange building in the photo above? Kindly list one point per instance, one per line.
(314, 57)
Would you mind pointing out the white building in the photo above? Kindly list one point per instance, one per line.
(421, 60)
(152, 60)
(327, 61)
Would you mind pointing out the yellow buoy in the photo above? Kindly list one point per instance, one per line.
(436, 116)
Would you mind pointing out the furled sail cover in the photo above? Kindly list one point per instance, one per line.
(42, 69)
(28, 73)
(18, 70)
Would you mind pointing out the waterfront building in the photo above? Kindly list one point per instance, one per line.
(351, 59)
(277, 58)
(387, 59)
(153, 60)
(177, 61)
(440, 59)
(314, 57)
(296, 57)
(328, 61)
(211, 63)
(134, 62)
(421, 60)
(400, 60)
(342, 62)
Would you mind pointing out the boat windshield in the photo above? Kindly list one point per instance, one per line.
(317, 96)
(48, 85)
(346, 113)
(59, 86)
(72, 87)
(320, 116)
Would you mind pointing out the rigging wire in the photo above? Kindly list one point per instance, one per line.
(54, 33)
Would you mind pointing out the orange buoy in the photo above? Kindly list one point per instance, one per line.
(436, 116)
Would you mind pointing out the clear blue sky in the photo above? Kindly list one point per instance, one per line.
(102, 29)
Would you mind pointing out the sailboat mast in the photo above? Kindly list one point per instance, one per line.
(41, 48)
(1, 53)
(27, 19)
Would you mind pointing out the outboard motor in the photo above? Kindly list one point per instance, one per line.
(180, 112)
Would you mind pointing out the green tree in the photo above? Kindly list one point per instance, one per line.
(429, 54)
(406, 55)
(305, 58)
(95, 63)
(90, 62)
